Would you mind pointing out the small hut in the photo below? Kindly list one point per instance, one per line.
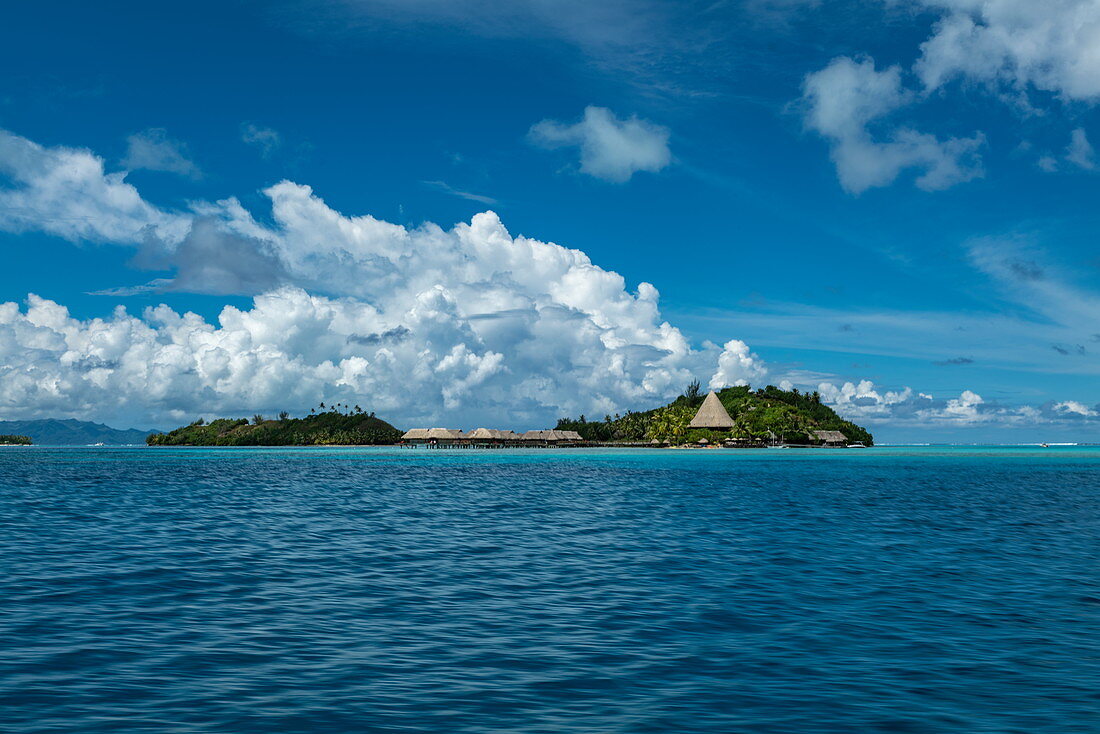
(831, 438)
(415, 434)
(483, 435)
(712, 414)
(447, 435)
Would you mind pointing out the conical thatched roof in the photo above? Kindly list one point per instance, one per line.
(712, 414)
(416, 433)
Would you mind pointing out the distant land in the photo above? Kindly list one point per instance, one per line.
(759, 417)
(333, 426)
(769, 413)
(70, 432)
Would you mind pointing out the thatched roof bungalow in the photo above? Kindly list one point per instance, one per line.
(483, 434)
(423, 435)
(831, 438)
(489, 436)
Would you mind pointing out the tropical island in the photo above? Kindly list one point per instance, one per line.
(13, 440)
(751, 417)
(335, 425)
(733, 416)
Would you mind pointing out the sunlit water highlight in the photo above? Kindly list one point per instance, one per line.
(365, 590)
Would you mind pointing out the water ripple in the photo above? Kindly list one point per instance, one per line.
(393, 591)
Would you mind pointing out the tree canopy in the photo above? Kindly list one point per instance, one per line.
(328, 428)
(790, 415)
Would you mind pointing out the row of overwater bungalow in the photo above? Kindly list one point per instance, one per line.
(487, 437)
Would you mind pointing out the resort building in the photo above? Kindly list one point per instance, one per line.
(489, 437)
(831, 438)
(712, 414)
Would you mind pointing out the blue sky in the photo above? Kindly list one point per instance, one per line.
(889, 202)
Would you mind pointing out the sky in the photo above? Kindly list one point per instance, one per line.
(479, 212)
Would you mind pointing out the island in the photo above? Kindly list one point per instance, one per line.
(335, 425)
(13, 440)
(733, 416)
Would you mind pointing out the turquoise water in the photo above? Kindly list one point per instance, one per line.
(384, 590)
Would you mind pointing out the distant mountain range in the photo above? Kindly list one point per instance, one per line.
(71, 432)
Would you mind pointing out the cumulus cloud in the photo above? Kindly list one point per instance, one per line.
(153, 150)
(67, 193)
(424, 324)
(737, 365)
(1012, 48)
(1074, 408)
(612, 149)
(1050, 46)
(210, 260)
(265, 139)
(864, 402)
(845, 103)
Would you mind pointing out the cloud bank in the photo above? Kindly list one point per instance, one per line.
(423, 324)
(467, 325)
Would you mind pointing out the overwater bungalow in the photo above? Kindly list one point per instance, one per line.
(486, 437)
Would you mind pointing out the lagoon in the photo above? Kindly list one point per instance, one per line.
(893, 589)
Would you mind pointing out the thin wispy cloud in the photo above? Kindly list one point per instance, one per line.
(448, 189)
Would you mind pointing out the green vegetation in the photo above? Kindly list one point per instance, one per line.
(13, 440)
(789, 414)
(337, 425)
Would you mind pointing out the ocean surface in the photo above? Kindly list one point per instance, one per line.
(393, 590)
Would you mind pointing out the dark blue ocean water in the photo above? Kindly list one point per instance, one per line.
(344, 590)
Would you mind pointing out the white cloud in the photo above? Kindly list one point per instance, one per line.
(1080, 152)
(612, 149)
(864, 403)
(264, 138)
(1072, 407)
(66, 192)
(737, 365)
(465, 325)
(845, 101)
(1053, 45)
(153, 150)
